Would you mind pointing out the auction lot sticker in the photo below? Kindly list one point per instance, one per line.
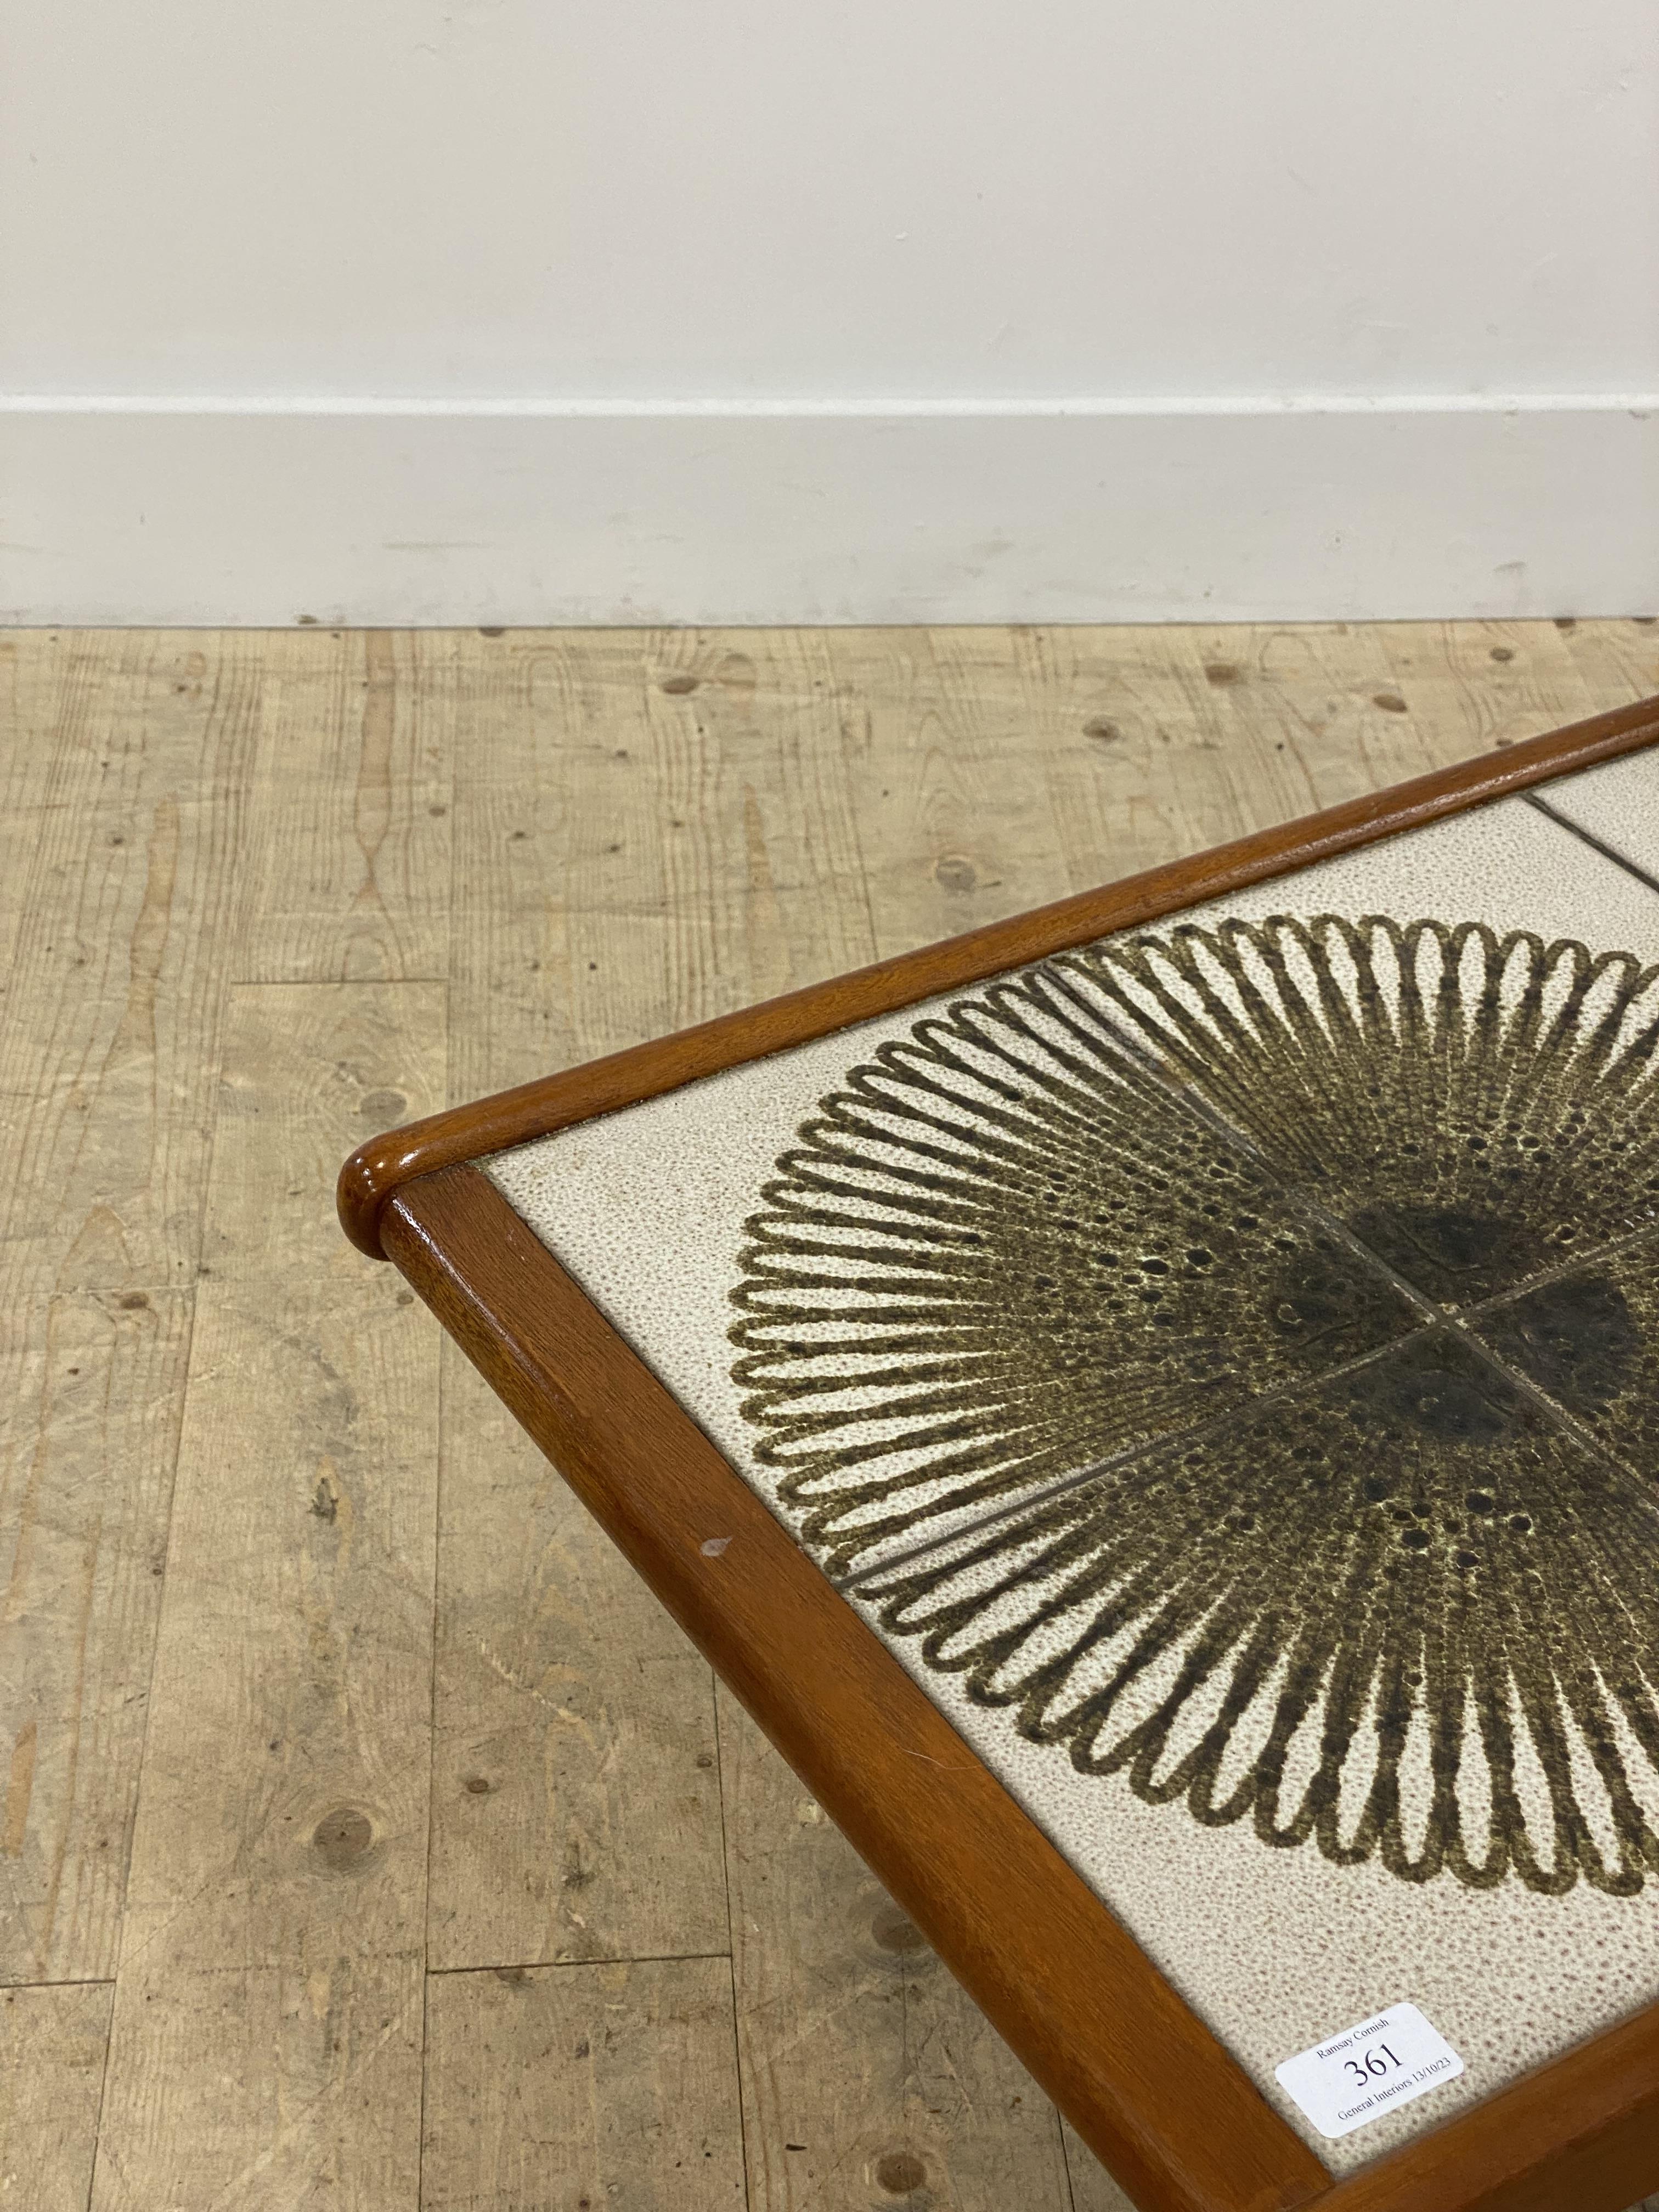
(1364, 2072)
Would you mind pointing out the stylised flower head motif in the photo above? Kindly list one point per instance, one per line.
(1232, 1351)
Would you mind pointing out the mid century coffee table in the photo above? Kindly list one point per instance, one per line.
(1154, 1408)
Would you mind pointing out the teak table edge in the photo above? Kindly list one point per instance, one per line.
(1148, 2087)
(472, 1132)
(1146, 2084)
(1076, 1997)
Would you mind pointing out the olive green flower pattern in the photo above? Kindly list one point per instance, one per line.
(1233, 1352)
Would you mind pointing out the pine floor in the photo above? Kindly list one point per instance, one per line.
(368, 1837)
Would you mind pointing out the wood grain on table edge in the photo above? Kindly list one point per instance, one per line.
(1580, 2134)
(384, 1163)
(1151, 2091)
(1081, 2004)
(1585, 2121)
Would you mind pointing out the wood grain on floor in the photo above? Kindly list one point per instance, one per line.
(267, 2033)
(863, 2063)
(425, 1863)
(583, 2086)
(575, 1800)
(52, 2045)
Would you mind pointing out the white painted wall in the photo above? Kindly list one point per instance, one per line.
(412, 304)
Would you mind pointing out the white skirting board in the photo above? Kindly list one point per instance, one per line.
(115, 512)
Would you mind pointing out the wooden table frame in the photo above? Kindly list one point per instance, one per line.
(1148, 2087)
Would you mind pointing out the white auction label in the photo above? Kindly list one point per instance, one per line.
(1366, 2071)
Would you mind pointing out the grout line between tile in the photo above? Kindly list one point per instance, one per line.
(1588, 837)
(1187, 1099)
(1536, 1395)
(1194, 1432)
(1610, 1251)
(1186, 1096)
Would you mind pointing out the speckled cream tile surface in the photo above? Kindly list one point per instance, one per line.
(1617, 804)
(1222, 1364)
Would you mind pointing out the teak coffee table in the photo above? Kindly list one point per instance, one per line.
(1153, 1406)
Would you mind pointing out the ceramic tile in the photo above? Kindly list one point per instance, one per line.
(997, 1255)
(1617, 804)
(1351, 1704)
(1587, 1339)
(1459, 1072)
(1472, 1107)
(1221, 1267)
(999, 1251)
(970, 1249)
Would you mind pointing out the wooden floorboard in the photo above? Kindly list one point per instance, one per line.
(129, 766)
(582, 2087)
(349, 817)
(575, 1797)
(266, 2045)
(92, 1383)
(52, 2044)
(867, 2073)
(328, 1727)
